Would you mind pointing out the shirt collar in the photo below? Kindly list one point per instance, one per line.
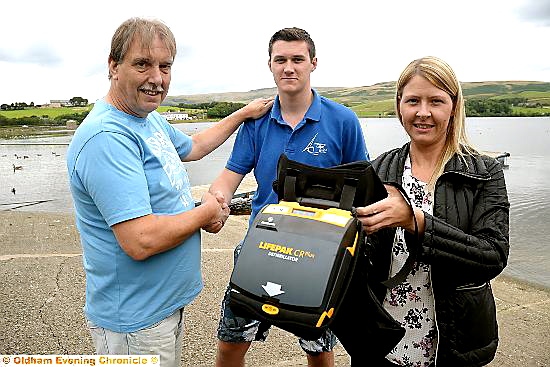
(313, 113)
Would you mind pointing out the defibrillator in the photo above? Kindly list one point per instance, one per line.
(299, 255)
(294, 266)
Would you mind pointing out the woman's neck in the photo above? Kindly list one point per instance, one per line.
(424, 161)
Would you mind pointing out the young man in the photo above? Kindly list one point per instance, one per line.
(307, 128)
(137, 220)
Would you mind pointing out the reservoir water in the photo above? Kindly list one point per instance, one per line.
(43, 177)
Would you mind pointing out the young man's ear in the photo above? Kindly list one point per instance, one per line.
(269, 63)
(314, 64)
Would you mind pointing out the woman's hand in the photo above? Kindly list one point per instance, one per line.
(393, 211)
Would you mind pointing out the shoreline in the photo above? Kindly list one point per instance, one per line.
(524, 283)
(42, 295)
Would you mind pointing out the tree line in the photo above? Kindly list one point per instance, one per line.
(489, 107)
(477, 107)
(14, 106)
(43, 120)
(214, 109)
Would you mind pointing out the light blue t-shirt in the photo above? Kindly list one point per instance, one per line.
(122, 167)
(329, 134)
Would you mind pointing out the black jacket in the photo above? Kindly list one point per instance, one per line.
(466, 242)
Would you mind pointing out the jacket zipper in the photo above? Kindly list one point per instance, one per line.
(435, 319)
(470, 287)
(465, 174)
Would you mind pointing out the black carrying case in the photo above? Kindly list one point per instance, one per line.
(298, 257)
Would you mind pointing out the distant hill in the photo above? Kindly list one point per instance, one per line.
(378, 99)
(381, 89)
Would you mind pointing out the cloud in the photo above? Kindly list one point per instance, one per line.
(535, 11)
(222, 45)
(38, 53)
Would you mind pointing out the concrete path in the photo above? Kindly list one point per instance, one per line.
(42, 294)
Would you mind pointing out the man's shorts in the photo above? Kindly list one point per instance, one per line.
(164, 338)
(235, 329)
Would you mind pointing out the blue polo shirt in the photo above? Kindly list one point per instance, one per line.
(328, 135)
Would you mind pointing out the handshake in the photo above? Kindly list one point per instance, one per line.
(220, 210)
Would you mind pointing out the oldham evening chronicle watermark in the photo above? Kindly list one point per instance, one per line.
(28, 360)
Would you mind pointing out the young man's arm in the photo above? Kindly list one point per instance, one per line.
(225, 186)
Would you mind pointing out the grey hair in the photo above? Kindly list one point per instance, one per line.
(146, 30)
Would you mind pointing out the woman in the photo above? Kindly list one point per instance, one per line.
(461, 209)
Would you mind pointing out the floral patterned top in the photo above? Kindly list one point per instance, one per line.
(412, 302)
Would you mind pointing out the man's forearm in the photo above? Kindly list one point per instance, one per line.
(145, 236)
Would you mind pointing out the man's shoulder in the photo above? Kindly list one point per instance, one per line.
(262, 120)
(156, 116)
(335, 112)
(337, 107)
(101, 123)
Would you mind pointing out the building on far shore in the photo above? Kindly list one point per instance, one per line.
(176, 116)
(56, 103)
(73, 102)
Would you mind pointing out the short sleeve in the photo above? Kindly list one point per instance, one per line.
(111, 170)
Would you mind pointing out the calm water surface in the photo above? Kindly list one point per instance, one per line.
(43, 177)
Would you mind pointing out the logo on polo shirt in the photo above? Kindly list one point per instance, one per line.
(314, 147)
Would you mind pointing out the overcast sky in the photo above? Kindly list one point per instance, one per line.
(58, 49)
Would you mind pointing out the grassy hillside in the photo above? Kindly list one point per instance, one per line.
(378, 99)
(44, 112)
(367, 101)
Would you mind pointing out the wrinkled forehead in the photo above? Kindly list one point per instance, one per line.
(146, 43)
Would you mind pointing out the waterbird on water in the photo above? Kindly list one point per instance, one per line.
(13, 190)
(16, 167)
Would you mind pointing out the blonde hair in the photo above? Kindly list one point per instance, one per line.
(442, 76)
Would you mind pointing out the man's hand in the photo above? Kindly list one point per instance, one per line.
(258, 107)
(220, 218)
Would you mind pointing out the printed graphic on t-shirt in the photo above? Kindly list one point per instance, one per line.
(162, 147)
(314, 147)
